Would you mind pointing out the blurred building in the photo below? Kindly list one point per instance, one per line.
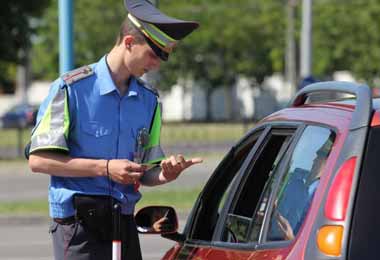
(187, 101)
(243, 101)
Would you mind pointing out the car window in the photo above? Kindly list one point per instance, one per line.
(299, 183)
(226, 193)
(213, 197)
(238, 222)
(255, 228)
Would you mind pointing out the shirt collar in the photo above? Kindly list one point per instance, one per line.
(104, 78)
(106, 84)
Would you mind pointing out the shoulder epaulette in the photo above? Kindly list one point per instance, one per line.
(148, 86)
(77, 74)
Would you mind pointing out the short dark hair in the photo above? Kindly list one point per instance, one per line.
(127, 28)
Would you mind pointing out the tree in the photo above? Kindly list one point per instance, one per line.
(246, 36)
(236, 38)
(346, 37)
(242, 37)
(18, 21)
(96, 24)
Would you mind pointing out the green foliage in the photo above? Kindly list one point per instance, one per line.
(241, 37)
(96, 29)
(96, 24)
(346, 37)
(8, 72)
(17, 26)
(18, 21)
(44, 56)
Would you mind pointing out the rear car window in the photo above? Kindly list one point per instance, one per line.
(299, 183)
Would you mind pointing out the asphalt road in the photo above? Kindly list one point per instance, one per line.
(27, 238)
(31, 241)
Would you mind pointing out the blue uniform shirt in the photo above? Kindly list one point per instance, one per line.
(103, 125)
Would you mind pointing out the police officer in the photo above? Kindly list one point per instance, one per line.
(97, 135)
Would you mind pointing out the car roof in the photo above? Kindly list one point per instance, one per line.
(352, 102)
(337, 114)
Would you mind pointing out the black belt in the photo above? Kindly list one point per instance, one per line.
(72, 220)
(65, 221)
(86, 203)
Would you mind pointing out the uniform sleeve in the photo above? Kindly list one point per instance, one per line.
(53, 122)
(153, 153)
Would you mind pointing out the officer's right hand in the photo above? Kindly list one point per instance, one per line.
(125, 171)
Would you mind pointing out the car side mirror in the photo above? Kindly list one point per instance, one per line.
(156, 220)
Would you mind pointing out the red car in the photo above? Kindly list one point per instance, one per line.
(303, 184)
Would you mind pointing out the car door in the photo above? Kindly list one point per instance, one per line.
(268, 200)
(206, 211)
(225, 180)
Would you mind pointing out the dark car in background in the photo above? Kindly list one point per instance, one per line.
(303, 184)
(19, 116)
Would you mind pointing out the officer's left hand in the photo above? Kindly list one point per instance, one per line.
(173, 166)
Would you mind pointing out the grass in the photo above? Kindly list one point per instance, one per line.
(38, 207)
(181, 200)
(201, 132)
(10, 137)
(172, 133)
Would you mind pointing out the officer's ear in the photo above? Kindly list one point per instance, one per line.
(128, 40)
